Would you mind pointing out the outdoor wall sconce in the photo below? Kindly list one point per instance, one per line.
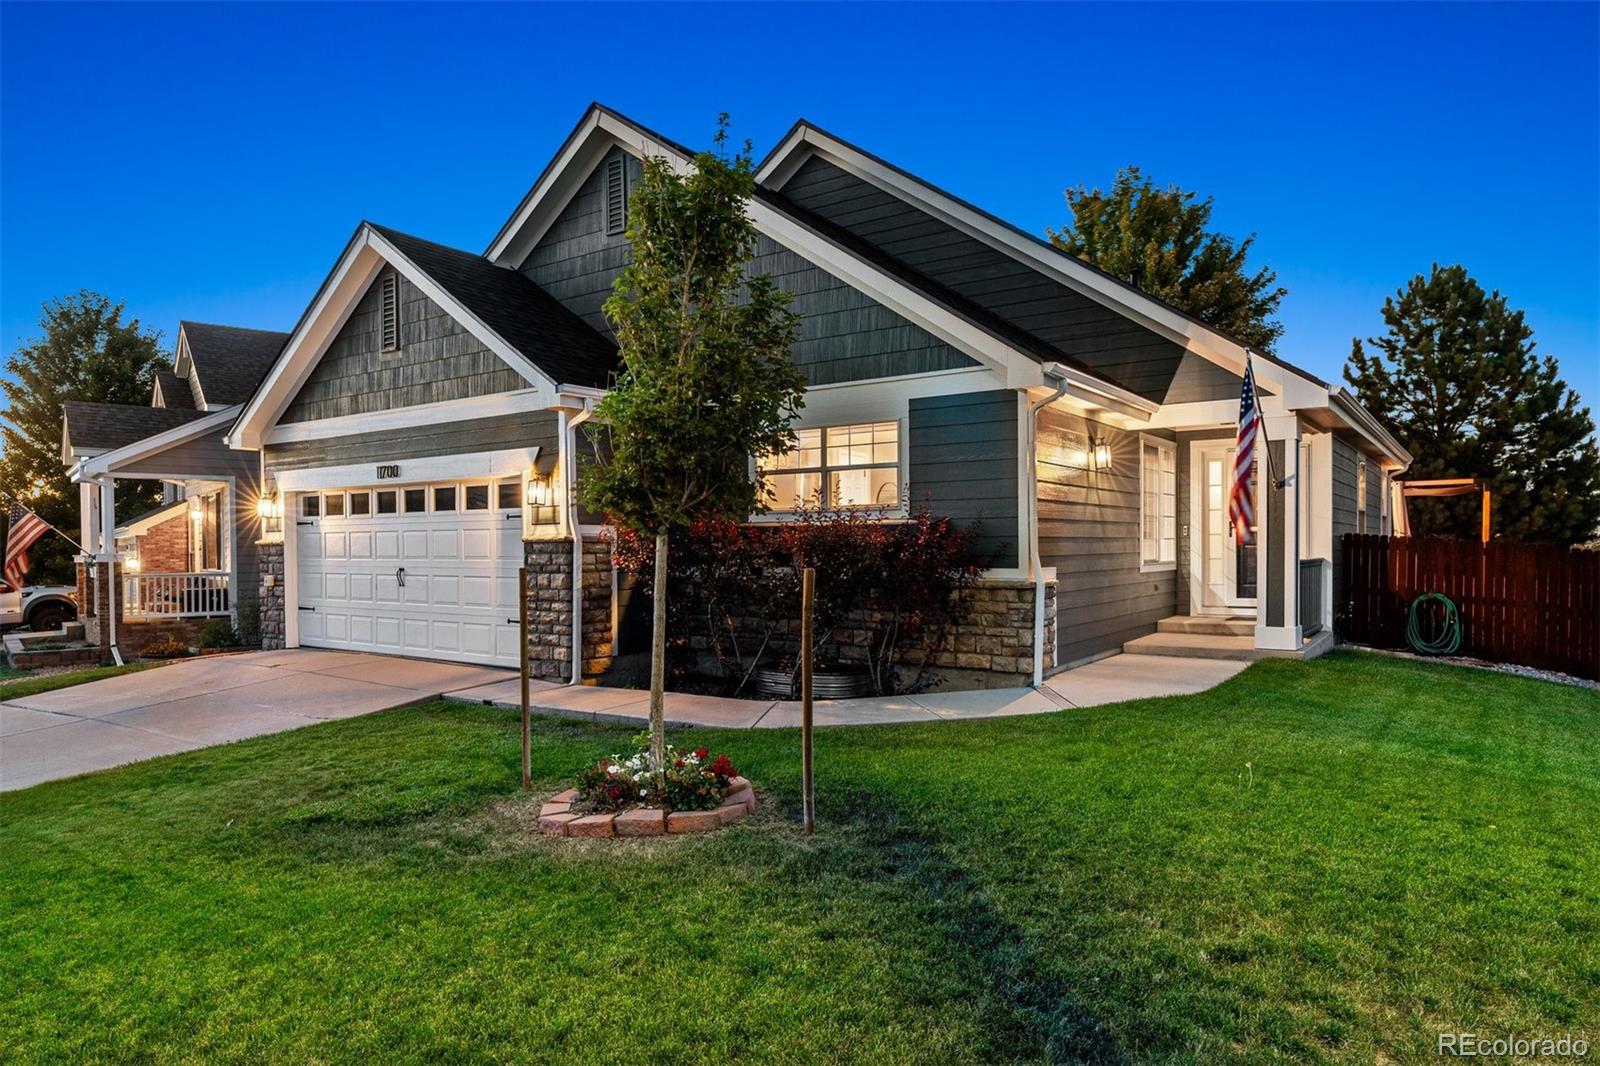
(1099, 454)
(195, 513)
(270, 510)
(541, 498)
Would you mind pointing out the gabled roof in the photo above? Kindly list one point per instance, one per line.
(530, 319)
(806, 138)
(142, 524)
(102, 427)
(172, 392)
(230, 361)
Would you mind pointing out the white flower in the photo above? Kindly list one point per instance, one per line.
(613, 769)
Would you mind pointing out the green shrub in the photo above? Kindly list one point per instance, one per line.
(217, 633)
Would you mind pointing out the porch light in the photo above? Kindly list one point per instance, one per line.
(195, 513)
(1102, 453)
(539, 490)
(270, 510)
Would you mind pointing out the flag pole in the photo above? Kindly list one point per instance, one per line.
(1261, 430)
(10, 499)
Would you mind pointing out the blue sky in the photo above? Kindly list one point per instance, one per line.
(209, 162)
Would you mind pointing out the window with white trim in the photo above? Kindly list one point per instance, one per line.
(854, 465)
(1158, 503)
(1361, 496)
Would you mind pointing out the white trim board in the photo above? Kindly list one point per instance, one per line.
(361, 261)
(523, 401)
(503, 463)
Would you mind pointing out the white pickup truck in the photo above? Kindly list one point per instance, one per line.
(42, 608)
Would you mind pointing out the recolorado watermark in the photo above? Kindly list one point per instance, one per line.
(1472, 1046)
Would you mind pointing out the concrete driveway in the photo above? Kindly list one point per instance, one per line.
(213, 700)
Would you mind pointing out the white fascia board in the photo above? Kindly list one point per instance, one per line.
(367, 254)
(108, 462)
(423, 414)
(502, 463)
(1063, 268)
(1360, 419)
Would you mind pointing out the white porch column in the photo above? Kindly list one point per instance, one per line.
(108, 520)
(88, 527)
(1278, 539)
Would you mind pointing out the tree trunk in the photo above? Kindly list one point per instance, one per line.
(658, 667)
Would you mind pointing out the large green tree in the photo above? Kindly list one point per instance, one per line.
(87, 350)
(1159, 240)
(1455, 378)
(706, 380)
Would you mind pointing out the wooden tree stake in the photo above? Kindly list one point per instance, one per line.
(522, 628)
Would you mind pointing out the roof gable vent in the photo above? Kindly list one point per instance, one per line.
(390, 305)
(616, 189)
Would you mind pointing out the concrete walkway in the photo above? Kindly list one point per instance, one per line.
(1121, 677)
(199, 702)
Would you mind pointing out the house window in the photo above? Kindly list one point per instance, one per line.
(855, 465)
(1158, 503)
(1361, 496)
(510, 495)
(387, 501)
(310, 506)
(390, 312)
(616, 190)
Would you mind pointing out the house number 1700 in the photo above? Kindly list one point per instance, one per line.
(391, 470)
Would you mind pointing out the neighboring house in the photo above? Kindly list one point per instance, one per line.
(194, 557)
(418, 430)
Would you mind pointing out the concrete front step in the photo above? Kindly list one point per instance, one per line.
(1210, 626)
(1210, 646)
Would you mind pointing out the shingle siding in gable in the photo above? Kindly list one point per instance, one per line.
(438, 360)
(1109, 343)
(845, 335)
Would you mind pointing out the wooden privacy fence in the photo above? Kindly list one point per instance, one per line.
(1531, 604)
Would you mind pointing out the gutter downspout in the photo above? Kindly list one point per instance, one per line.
(108, 525)
(569, 474)
(1052, 372)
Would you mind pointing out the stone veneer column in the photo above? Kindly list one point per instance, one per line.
(598, 645)
(549, 592)
(269, 560)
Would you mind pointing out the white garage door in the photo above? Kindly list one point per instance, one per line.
(428, 571)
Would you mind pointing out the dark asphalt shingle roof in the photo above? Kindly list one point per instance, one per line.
(529, 319)
(175, 391)
(114, 425)
(231, 360)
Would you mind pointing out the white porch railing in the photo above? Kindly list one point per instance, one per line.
(192, 595)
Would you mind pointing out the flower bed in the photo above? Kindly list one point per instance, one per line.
(621, 796)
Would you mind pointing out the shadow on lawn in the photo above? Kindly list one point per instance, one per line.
(992, 951)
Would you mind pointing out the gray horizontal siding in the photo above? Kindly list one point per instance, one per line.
(438, 360)
(537, 429)
(1089, 531)
(1118, 348)
(844, 334)
(963, 453)
(1345, 459)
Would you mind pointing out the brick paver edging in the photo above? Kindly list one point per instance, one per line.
(556, 818)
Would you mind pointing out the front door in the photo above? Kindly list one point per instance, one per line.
(1223, 570)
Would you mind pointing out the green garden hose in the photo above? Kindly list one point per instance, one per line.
(1449, 638)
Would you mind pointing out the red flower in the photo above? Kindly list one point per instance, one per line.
(700, 753)
(677, 764)
(723, 767)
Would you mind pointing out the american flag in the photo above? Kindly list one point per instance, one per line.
(1241, 502)
(24, 527)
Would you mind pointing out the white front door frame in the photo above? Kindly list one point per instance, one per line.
(1202, 601)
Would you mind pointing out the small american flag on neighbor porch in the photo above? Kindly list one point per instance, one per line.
(1241, 502)
(23, 528)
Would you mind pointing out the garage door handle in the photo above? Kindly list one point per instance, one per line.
(400, 576)
(308, 608)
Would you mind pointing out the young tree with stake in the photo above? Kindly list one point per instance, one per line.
(706, 380)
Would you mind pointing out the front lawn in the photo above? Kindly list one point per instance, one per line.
(1332, 860)
(15, 684)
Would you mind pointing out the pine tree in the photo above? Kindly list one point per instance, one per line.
(1456, 380)
(87, 352)
(1156, 239)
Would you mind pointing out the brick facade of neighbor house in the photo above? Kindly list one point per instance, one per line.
(164, 548)
(133, 637)
(549, 592)
(269, 560)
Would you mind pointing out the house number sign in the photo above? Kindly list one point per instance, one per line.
(388, 471)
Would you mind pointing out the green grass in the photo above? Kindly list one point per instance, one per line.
(15, 684)
(1331, 861)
